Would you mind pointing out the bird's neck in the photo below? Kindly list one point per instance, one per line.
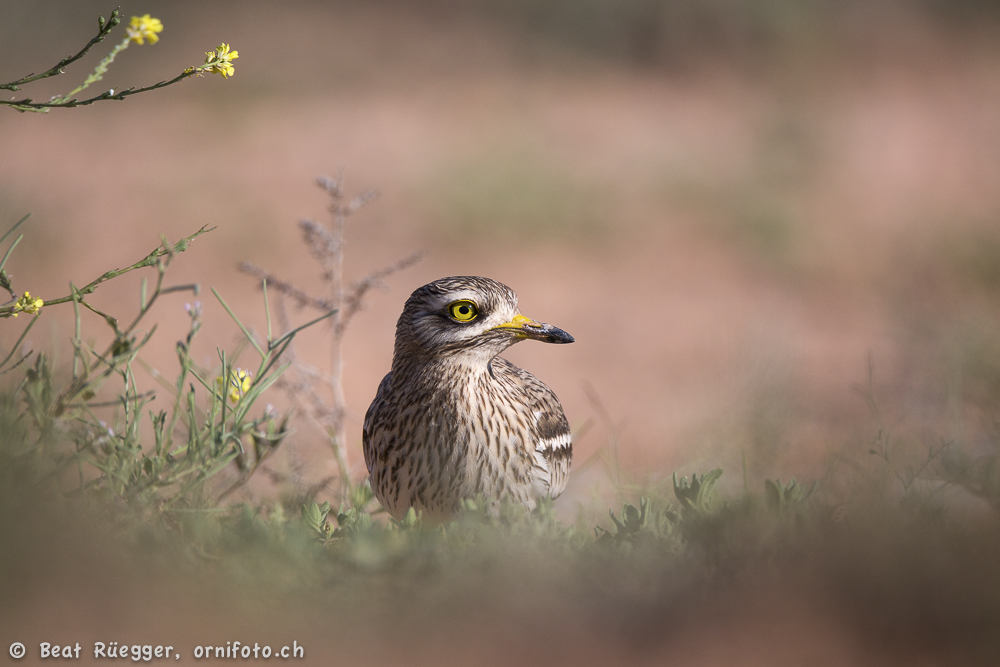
(459, 368)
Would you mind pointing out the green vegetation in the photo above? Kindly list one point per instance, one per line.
(141, 30)
(893, 553)
(114, 508)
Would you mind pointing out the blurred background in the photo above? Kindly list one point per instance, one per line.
(731, 204)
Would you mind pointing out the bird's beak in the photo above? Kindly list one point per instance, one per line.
(525, 327)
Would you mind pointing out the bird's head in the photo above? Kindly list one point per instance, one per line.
(466, 316)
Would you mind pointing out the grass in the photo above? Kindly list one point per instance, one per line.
(118, 521)
(893, 546)
(901, 572)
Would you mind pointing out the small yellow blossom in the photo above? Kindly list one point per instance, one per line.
(240, 380)
(27, 304)
(221, 60)
(142, 28)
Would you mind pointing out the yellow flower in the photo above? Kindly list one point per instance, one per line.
(240, 380)
(27, 304)
(142, 28)
(221, 60)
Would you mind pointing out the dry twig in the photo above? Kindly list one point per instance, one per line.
(302, 382)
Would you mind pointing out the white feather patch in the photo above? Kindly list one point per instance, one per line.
(561, 441)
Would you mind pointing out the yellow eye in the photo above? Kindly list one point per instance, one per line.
(463, 311)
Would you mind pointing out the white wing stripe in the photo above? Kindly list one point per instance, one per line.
(561, 441)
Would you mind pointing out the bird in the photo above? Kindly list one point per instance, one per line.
(452, 420)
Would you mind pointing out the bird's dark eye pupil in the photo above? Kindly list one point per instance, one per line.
(464, 310)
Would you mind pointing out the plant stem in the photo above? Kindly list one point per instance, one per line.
(336, 340)
(98, 73)
(104, 27)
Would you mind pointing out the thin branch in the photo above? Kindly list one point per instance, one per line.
(287, 336)
(3, 263)
(275, 283)
(326, 245)
(134, 397)
(104, 28)
(27, 104)
(354, 301)
(361, 200)
(246, 332)
(150, 260)
(122, 343)
(321, 242)
(13, 349)
(245, 477)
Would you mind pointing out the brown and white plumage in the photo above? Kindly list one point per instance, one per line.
(453, 420)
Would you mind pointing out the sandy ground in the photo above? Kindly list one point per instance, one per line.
(728, 245)
(727, 248)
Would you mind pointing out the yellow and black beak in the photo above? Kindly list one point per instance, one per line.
(525, 327)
